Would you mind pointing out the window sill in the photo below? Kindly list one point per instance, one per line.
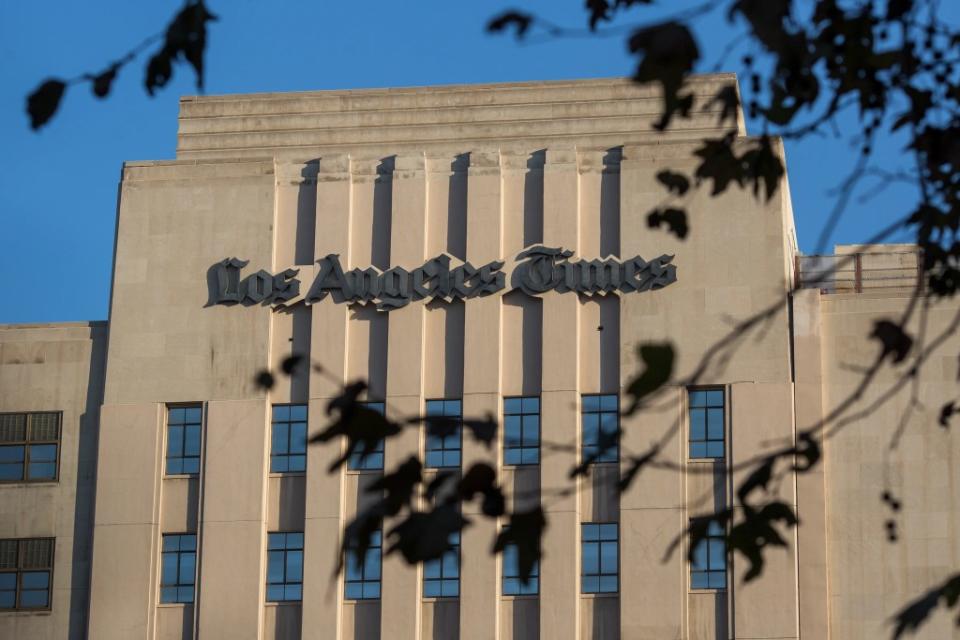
(706, 460)
(521, 597)
(29, 483)
(287, 474)
(286, 603)
(174, 605)
(25, 612)
(441, 599)
(528, 465)
(363, 472)
(181, 476)
(715, 590)
(595, 596)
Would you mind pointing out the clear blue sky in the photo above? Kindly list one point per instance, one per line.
(58, 187)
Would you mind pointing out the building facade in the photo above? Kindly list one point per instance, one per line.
(153, 490)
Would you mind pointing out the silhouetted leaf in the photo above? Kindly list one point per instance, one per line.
(676, 183)
(483, 430)
(756, 532)
(668, 52)
(398, 486)
(808, 453)
(912, 616)
(525, 530)
(763, 167)
(759, 478)
(43, 102)
(729, 101)
(766, 18)
(602, 10)
(718, 163)
(482, 478)
(437, 483)
(425, 536)
(362, 426)
(657, 368)
(291, 362)
(519, 21)
(897, 9)
(186, 37)
(606, 441)
(103, 81)
(264, 380)
(675, 219)
(358, 533)
(895, 341)
(946, 412)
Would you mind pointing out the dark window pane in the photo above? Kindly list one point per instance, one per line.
(175, 441)
(34, 599)
(42, 471)
(191, 445)
(43, 453)
(512, 405)
(590, 584)
(11, 471)
(699, 580)
(10, 454)
(591, 403)
(35, 580)
(168, 594)
(608, 403)
(191, 465)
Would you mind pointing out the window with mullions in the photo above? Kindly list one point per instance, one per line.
(441, 577)
(183, 440)
(26, 566)
(29, 444)
(288, 441)
(363, 583)
(706, 423)
(600, 565)
(512, 584)
(361, 459)
(444, 451)
(709, 567)
(600, 417)
(284, 567)
(521, 426)
(178, 567)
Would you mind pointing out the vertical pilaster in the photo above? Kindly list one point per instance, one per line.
(401, 610)
(560, 399)
(323, 516)
(480, 583)
(814, 589)
(652, 509)
(233, 518)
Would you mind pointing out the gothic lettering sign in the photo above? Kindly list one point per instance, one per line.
(535, 271)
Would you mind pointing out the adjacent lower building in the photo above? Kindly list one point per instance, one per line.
(466, 250)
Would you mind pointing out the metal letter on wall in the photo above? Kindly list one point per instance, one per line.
(536, 271)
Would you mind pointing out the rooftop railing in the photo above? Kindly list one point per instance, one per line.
(868, 271)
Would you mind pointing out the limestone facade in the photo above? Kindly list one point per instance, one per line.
(396, 177)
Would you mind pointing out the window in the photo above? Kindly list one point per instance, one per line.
(288, 443)
(599, 546)
(26, 566)
(512, 584)
(284, 567)
(600, 416)
(361, 459)
(178, 567)
(521, 424)
(706, 423)
(29, 443)
(183, 440)
(444, 451)
(363, 583)
(441, 577)
(709, 567)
